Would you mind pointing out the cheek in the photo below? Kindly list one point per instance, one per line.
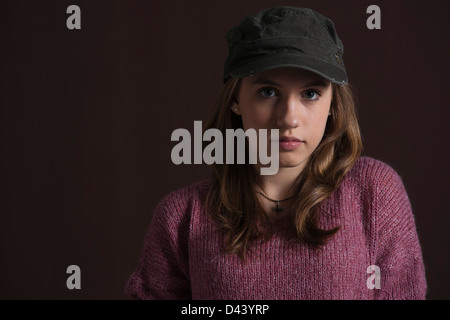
(317, 124)
(255, 117)
(318, 131)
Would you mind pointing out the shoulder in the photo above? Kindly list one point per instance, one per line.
(372, 169)
(375, 175)
(377, 183)
(186, 194)
(373, 182)
(178, 204)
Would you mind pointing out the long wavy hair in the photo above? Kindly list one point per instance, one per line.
(232, 200)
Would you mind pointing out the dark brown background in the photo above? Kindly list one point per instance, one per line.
(87, 117)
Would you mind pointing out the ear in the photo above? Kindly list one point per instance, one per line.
(235, 107)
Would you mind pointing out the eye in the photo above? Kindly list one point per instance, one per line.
(312, 95)
(267, 92)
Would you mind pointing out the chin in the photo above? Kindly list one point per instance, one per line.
(291, 161)
(290, 164)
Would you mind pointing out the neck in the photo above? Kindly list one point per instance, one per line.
(278, 186)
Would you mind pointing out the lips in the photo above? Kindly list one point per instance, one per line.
(288, 143)
(290, 139)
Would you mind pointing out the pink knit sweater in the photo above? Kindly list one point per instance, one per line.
(184, 258)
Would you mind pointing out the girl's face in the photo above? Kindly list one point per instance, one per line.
(293, 100)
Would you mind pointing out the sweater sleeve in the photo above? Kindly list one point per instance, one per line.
(162, 271)
(398, 255)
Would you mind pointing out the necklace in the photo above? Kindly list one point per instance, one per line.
(277, 207)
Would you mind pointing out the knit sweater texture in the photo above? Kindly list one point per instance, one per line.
(184, 254)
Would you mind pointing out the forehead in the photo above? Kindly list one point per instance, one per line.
(286, 75)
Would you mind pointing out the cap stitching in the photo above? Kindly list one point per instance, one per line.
(333, 79)
(256, 58)
(282, 37)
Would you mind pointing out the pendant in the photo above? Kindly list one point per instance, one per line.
(277, 207)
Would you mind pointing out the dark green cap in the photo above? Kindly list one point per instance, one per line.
(285, 37)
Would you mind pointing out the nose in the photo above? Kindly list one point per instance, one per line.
(288, 112)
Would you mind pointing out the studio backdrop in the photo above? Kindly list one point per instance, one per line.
(88, 108)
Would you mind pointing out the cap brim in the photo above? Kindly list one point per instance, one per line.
(269, 62)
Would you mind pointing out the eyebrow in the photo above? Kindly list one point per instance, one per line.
(317, 83)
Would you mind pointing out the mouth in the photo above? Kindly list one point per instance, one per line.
(289, 143)
(289, 139)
